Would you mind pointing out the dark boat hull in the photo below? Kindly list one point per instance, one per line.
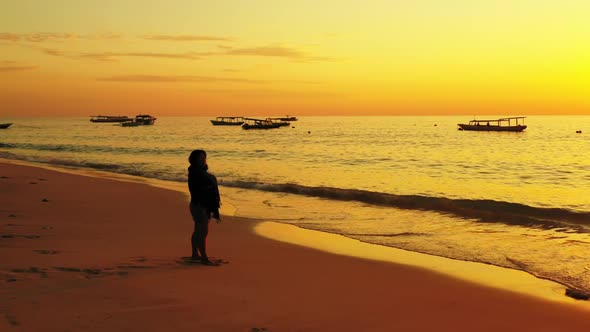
(463, 126)
(111, 120)
(5, 125)
(264, 126)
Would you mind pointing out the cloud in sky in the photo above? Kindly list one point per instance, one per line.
(54, 52)
(9, 36)
(275, 51)
(16, 68)
(192, 78)
(53, 36)
(187, 38)
(112, 56)
(272, 51)
(9, 66)
(174, 79)
(263, 92)
(106, 56)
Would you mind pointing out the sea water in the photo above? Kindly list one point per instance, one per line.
(517, 200)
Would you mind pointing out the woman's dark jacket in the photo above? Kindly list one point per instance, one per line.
(203, 189)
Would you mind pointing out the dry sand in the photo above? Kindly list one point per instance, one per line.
(80, 253)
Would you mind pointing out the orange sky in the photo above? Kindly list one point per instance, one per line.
(373, 57)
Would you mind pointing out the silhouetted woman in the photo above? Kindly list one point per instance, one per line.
(204, 204)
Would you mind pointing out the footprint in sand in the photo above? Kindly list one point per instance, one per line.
(12, 320)
(32, 270)
(31, 236)
(213, 261)
(8, 276)
(46, 252)
(12, 236)
(134, 267)
(120, 270)
(136, 263)
(117, 270)
(89, 273)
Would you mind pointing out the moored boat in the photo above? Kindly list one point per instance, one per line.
(514, 124)
(279, 121)
(109, 118)
(5, 125)
(288, 118)
(228, 121)
(140, 120)
(145, 119)
(250, 123)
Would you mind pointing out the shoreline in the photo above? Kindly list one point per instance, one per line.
(513, 280)
(484, 274)
(118, 270)
(506, 279)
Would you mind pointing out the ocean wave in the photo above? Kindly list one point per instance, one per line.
(483, 210)
(86, 148)
(135, 169)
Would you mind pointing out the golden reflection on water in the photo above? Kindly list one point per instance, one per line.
(547, 165)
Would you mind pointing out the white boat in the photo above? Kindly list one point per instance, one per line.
(515, 124)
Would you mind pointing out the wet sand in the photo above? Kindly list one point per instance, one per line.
(81, 253)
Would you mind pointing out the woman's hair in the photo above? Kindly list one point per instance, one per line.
(193, 159)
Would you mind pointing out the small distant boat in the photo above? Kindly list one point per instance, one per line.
(109, 118)
(514, 124)
(279, 121)
(5, 125)
(145, 119)
(288, 118)
(228, 121)
(267, 123)
(140, 120)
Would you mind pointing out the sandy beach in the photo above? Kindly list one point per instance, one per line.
(81, 253)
